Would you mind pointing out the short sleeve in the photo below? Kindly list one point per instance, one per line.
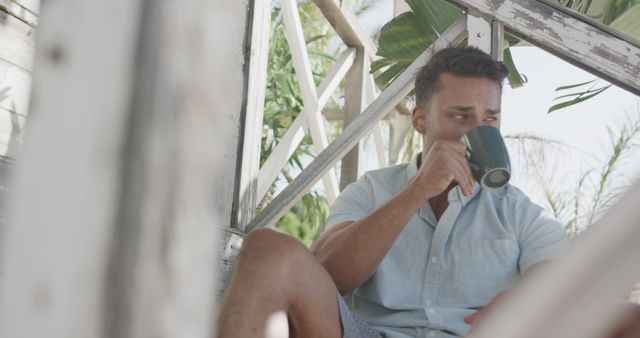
(355, 202)
(541, 236)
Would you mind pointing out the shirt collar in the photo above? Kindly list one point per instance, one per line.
(455, 194)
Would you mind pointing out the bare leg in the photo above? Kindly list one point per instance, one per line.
(276, 273)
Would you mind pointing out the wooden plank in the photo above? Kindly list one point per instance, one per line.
(15, 88)
(163, 266)
(16, 39)
(232, 239)
(479, 31)
(5, 170)
(580, 294)
(497, 40)
(280, 155)
(299, 54)
(250, 142)
(378, 137)
(64, 278)
(346, 25)
(315, 122)
(355, 98)
(125, 234)
(317, 130)
(568, 35)
(11, 132)
(335, 76)
(20, 12)
(32, 5)
(350, 136)
(292, 138)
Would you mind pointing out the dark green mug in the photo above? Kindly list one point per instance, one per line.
(487, 156)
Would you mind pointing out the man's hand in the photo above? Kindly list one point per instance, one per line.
(628, 326)
(445, 162)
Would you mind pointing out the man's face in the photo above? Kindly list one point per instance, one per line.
(459, 105)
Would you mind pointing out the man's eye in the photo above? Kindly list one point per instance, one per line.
(460, 116)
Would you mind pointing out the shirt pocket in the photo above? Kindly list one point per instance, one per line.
(485, 267)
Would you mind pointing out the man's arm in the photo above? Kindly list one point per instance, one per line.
(352, 251)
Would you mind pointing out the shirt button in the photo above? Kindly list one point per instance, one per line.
(434, 260)
(432, 333)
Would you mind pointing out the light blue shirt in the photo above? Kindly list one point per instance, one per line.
(439, 271)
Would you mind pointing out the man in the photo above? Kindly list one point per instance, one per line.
(414, 248)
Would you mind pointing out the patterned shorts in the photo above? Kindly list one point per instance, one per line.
(352, 325)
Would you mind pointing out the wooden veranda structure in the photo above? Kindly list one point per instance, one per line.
(150, 133)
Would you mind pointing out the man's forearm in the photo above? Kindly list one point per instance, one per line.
(352, 253)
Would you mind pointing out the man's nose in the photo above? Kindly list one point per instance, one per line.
(477, 123)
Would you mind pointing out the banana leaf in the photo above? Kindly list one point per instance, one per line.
(406, 36)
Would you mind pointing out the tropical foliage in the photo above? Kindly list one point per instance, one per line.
(283, 103)
(578, 202)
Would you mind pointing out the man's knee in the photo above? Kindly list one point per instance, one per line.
(274, 250)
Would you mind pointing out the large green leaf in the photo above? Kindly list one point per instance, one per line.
(577, 97)
(402, 39)
(436, 15)
(515, 78)
(617, 8)
(406, 36)
(629, 22)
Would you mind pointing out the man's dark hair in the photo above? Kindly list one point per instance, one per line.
(461, 61)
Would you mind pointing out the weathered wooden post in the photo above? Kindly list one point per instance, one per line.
(129, 169)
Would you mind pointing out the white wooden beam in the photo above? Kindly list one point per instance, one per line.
(479, 31)
(486, 34)
(355, 102)
(280, 155)
(586, 44)
(346, 25)
(378, 136)
(335, 76)
(19, 11)
(360, 127)
(294, 135)
(315, 121)
(17, 41)
(497, 40)
(250, 142)
(299, 54)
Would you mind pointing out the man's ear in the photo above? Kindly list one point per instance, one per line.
(419, 120)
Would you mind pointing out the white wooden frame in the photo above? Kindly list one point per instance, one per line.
(351, 135)
(250, 143)
(314, 100)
